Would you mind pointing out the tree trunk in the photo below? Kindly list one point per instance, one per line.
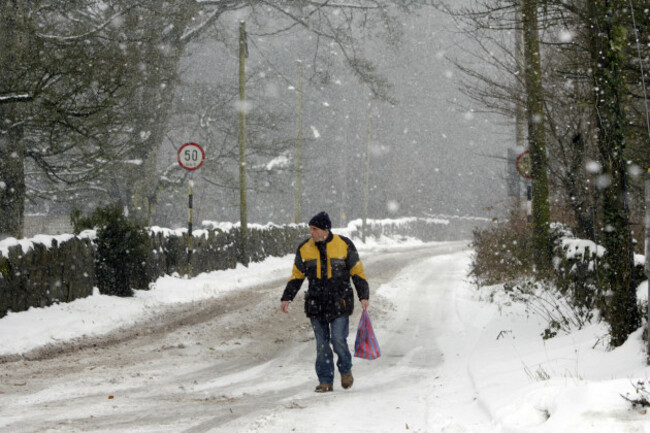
(12, 181)
(536, 136)
(161, 56)
(12, 149)
(607, 44)
(574, 185)
(143, 189)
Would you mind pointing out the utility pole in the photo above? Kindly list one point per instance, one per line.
(243, 52)
(298, 208)
(520, 113)
(366, 178)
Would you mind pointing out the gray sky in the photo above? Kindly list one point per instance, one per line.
(431, 153)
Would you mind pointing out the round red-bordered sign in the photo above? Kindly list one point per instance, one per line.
(191, 156)
(524, 165)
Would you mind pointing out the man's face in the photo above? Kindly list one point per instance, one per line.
(318, 235)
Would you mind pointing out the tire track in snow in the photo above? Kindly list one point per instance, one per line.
(237, 364)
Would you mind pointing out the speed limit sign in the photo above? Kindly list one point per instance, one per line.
(524, 165)
(191, 156)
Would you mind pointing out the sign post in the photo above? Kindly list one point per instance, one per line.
(190, 157)
(525, 168)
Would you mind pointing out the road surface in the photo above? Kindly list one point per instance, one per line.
(239, 364)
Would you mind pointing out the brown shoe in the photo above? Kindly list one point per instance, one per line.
(347, 380)
(324, 387)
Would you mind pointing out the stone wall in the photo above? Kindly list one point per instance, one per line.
(43, 275)
(33, 274)
(438, 228)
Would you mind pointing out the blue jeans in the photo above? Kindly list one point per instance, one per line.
(334, 333)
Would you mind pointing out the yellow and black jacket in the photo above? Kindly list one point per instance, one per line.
(329, 266)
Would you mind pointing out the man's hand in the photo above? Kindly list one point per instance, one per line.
(364, 304)
(284, 307)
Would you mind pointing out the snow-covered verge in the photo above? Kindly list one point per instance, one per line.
(97, 315)
(455, 359)
(571, 382)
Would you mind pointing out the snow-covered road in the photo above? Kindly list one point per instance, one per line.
(215, 354)
(237, 364)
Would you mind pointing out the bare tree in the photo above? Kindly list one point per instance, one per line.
(506, 96)
(592, 83)
(62, 99)
(122, 60)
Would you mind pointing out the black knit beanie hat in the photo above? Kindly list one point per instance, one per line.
(321, 220)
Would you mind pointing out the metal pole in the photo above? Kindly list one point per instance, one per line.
(529, 201)
(190, 236)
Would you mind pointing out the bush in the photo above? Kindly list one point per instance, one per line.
(578, 273)
(565, 296)
(546, 301)
(122, 251)
(80, 222)
(642, 398)
(503, 252)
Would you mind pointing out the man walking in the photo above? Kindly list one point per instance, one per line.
(328, 261)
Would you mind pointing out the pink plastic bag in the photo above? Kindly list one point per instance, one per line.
(366, 345)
